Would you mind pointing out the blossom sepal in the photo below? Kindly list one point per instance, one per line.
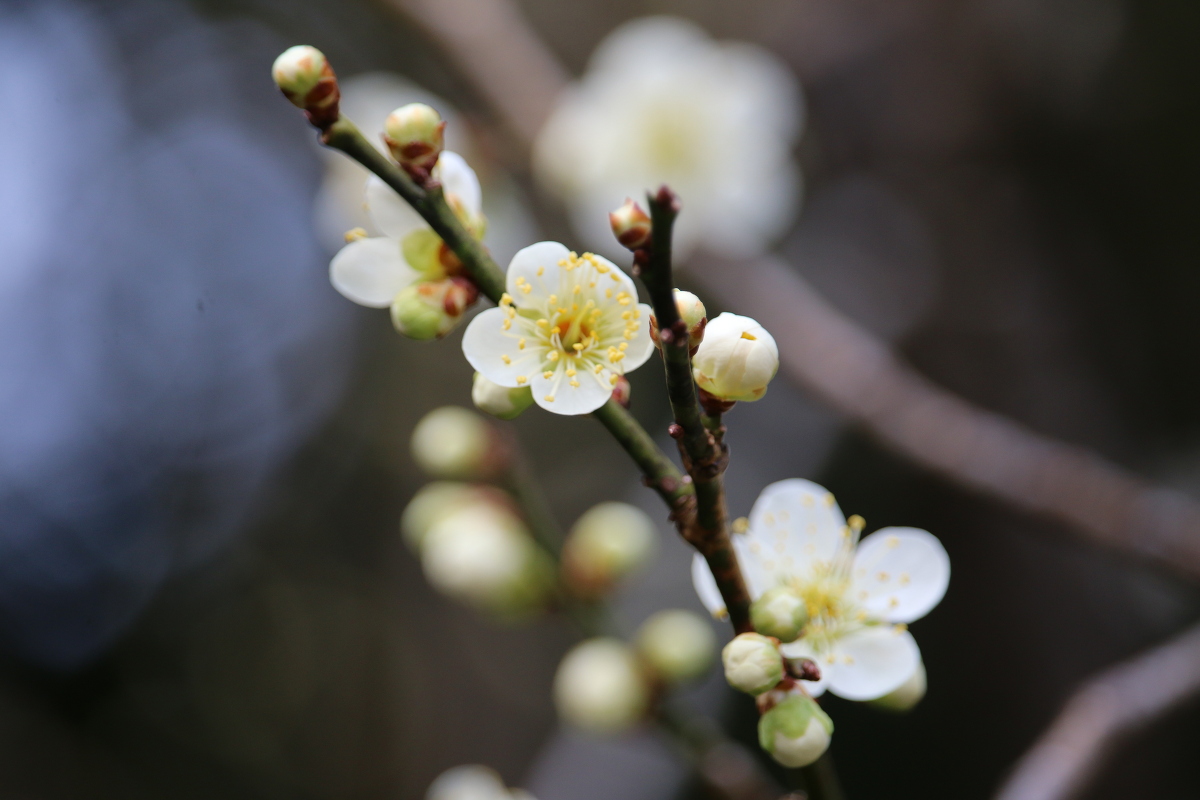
(795, 731)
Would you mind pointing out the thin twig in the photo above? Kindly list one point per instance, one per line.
(860, 376)
(659, 472)
(1108, 709)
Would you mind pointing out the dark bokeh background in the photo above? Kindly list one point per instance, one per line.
(204, 448)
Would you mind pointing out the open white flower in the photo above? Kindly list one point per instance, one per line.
(859, 594)
(569, 326)
(663, 102)
(372, 271)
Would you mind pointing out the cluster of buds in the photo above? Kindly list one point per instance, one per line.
(608, 542)
(604, 685)
(415, 136)
(304, 76)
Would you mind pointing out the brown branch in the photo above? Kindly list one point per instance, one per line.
(1108, 709)
(861, 377)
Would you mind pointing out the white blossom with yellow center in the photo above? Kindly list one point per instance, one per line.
(860, 595)
(372, 271)
(569, 326)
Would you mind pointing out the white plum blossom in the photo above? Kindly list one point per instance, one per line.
(472, 782)
(662, 102)
(859, 595)
(569, 326)
(372, 271)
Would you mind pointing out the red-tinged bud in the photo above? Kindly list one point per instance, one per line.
(304, 76)
(694, 316)
(415, 135)
(622, 391)
(631, 225)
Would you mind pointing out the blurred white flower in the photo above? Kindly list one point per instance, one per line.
(472, 782)
(662, 102)
(859, 595)
(600, 686)
(569, 326)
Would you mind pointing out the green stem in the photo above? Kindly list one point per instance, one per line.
(821, 780)
(660, 473)
(522, 485)
(430, 203)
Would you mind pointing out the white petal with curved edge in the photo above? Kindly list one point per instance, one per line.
(801, 649)
(871, 662)
(641, 345)
(535, 266)
(706, 586)
(900, 574)
(389, 212)
(457, 178)
(371, 271)
(497, 353)
(794, 525)
(557, 395)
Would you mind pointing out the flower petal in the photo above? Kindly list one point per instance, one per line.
(535, 267)
(871, 662)
(900, 574)
(801, 649)
(496, 352)
(794, 525)
(641, 345)
(557, 394)
(457, 178)
(706, 587)
(370, 271)
(389, 212)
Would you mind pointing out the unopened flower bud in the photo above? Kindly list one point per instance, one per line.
(779, 612)
(452, 442)
(499, 401)
(796, 731)
(431, 309)
(692, 312)
(678, 645)
(483, 556)
(608, 542)
(622, 392)
(600, 686)
(471, 782)
(415, 136)
(304, 76)
(631, 225)
(906, 697)
(753, 663)
(438, 500)
(736, 360)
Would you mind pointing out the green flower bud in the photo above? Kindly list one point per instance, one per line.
(438, 500)
(600, 687)
(500, 401)
(753, 663)
(906, 697)
(415, 136)
(304, 76)
(795, 732)
(677, 645)
(780, 613)
(452, 442)
(608, 542)
(431, 309)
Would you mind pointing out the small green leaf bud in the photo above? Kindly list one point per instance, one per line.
(736, 360)
(438, 500)
(452, 442)
(906, 697)
(678, 645)
(600, 687)
(631, 225)
(304, 76)
(608, 542)
(795, 731)
(415, 135)
(779, 612)
(431, 309)
(482, 555)
(499, 401)
(753, 663)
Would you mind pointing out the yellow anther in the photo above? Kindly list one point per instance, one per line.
(598, 369)
(505, 324)
(614, 378)
(883, 577)
(623, 346)
(591, 284)
(577, 289)
(505, 299)
(608, 292)
(562, 262)
(519, 280)
(740, 525)
(828, 498)
(570, 373)
(553, 299)
(552, 355)
(578, 347)
(615, 277)
(856, 523)
(505, 359)
(893, 602)
(354, 234)
(626, 314)
(527, 288)
(541, 271)
(549, 398)
(555, 330)
(901, 628)
(574, 383)
(520, 344)
(543, 323)
(601, 268)
(749, 335)
(629, 334)
(521, 380)
(547, 374)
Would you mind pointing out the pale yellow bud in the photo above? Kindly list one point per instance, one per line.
(452, 442)
(431, 309)
(678, 645)
(779, 613)
(415, 135)
(600, 687)
(694, 316)
(608, 542)
(631, 225)
(304, 76)
(736, 360)
(753, 663)
(499, 401)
